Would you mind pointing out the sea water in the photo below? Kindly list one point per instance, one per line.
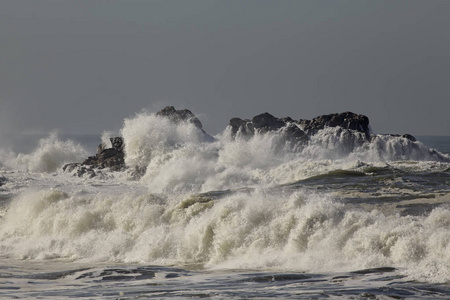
(230, 218)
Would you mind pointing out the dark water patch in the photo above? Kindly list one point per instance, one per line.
(277, 277)
(209, 197)
(10, 288)
(417, 209)
(131, 274)
(119, 274)
(172, 275)
(372, 170)
(336, 175)
(375, 270)
(46, 276)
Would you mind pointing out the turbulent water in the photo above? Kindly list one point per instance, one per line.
(236, 217)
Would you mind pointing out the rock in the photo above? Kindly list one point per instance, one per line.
(245, 127)
(409, 137)
(70, 167)
(3, 180)
(182, 115)
(294, 134)
(346, 120)
(266, 122)
(79, 170)
(112, 158)
(117, 143)
(108, 158)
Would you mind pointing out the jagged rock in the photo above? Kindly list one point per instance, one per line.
(245, 127)
(79, 170)
(266, 122)
(346, 120)
(70, 167)
(294, 134)
(117, 143)
(112, 158)
(108, 158)
(178, 116)
(183, 115)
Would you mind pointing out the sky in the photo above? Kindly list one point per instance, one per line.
(84, 66)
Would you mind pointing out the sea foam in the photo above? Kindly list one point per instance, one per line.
(50, 155)
(302, 231)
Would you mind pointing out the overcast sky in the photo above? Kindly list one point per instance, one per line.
(84, 66)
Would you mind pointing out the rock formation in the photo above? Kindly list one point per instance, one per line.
(112, 158)
(296, 133)
(266, 122)
(182, 115)
(345, 120)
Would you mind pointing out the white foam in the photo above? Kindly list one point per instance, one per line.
(179, 158)
(50, 155)
(299, 231)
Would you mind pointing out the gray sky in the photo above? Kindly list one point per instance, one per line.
(84, 66)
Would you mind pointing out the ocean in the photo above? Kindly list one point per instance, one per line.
(234, 217)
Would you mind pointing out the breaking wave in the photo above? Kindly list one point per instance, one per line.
(300, 231)
(178, 157)
(49, 156)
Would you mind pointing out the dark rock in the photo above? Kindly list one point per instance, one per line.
(346, 120)
(182, 115)
(117, 143)
(266, 122)
(108, 158)
(294, 134)
(112, 158)
(409, 137)
(70, 167)
(79, 170)
(100, 148)
(245, 127)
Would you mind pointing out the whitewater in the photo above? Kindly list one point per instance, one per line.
(230, 216)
